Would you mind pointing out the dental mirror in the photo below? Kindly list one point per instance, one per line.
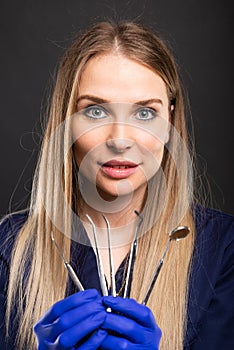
(179, 232)
(175, 235)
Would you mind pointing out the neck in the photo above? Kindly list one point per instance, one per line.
(122, 222)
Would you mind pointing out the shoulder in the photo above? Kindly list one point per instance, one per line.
(13, 220)
(10, 225)
(214, 229)
(211, 287)
(214, 240)
(9, 228)
(214, 245)
(209, 216)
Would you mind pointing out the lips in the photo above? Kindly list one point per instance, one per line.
(117, 169)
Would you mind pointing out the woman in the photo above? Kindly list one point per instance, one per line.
(115, 152)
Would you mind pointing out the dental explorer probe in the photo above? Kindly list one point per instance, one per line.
(69, 268)
(132, 259)
(177, 234)
(101, 274)
(111, 261)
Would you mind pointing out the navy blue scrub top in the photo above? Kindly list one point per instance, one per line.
(210, 311)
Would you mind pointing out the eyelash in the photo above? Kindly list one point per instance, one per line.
(148, 109)
(152, 111)
(93, 107)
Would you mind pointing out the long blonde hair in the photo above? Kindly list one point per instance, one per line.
(35, 286)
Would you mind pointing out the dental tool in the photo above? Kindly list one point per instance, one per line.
(101, 274)
(132, 259)
(111, 261)
(175, 235)
(67, 265)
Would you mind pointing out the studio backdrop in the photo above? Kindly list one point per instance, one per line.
(34, 35)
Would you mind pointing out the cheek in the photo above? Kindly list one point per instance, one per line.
(85, 158)
(86, 143)
(82, 147)
(157, 150)
(154, 136)
(152, 151)
(151, 145)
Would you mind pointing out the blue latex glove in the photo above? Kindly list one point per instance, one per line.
(130, 325)
(73, 323)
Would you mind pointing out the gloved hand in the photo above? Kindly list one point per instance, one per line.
(130, 326)
(73, 323)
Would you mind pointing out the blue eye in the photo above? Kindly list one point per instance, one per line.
(145, 114)
(95, 112)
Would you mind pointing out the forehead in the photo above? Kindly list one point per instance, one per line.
(119, 79)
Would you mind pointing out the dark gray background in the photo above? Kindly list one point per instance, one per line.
(33, 37)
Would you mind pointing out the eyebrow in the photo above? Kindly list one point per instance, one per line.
(101, 100)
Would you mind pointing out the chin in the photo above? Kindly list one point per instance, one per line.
(124, 189)
(112, 194)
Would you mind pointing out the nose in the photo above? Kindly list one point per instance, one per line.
(119, 139)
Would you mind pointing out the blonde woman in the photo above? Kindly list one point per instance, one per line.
(116, 159)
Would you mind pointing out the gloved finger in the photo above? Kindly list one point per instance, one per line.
(112, 343)
(69, 319)
(75, 334)
(131, 309)
(95, 341)
(126, 328)
(67, 304)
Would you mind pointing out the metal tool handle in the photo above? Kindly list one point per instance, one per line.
(132, 259)
(101, 274)
(73, 276)
(111, 259)
(151, 286)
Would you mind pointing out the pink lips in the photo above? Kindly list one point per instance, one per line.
(117, 169)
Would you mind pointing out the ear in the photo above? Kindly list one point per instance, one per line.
(167, 138)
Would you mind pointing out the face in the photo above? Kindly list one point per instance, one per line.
(121, 126)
